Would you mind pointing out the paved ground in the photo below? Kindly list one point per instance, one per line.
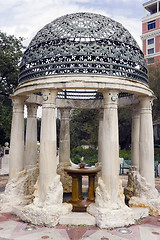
(12, 228)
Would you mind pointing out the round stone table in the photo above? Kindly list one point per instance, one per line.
(78, 201)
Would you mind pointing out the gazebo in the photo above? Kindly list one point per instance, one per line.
(81, 60)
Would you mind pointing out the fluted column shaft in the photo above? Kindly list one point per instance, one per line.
(47, 142)
(135, 137)
(64, 146)
(110, 145)
(146, 146)
(31, 135)
(100, 132)
(16, 161)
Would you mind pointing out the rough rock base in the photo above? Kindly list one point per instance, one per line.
(66, 180)
(109, 213)
(45, 213)
(99, 174)
(142, 194)
(110, 218)
(46, 216)
(19, 191)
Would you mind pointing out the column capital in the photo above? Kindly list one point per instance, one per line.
(135, 111)
(110, 98)
(146, 102)
(18, 103)
(65, 113)
(32, 110)
(49, 98)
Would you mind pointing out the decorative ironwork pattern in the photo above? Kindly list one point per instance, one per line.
(79, 95)
(83, 43)
(85, 95)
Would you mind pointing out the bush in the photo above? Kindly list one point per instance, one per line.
(157, 156)
(125, 154)
(90, 155)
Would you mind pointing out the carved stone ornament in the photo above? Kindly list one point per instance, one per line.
(45, 97)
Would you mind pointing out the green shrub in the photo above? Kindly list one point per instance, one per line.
(126, 154)
(90, 155)
(157, 156)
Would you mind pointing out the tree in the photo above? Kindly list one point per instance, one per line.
(10, 55)
(154, 83)
(124, 123)
(84, 127)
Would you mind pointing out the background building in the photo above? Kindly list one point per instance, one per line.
(151, 31)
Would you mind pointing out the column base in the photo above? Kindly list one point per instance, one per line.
(141, 194)
(47, 216)
(66, 180)
(110, 214)
(19, 190)
(111, 218)
(99, 174)
(45, 213)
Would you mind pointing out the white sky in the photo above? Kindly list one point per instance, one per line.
(24, 18)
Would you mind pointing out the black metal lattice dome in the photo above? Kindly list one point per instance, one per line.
(83, 43)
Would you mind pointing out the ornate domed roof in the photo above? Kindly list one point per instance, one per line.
(83, 43)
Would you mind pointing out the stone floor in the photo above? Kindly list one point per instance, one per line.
(12, 228)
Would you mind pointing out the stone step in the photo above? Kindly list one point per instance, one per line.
(77, 218)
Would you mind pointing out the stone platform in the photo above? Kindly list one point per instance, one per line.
(12, 228)
(78, 226)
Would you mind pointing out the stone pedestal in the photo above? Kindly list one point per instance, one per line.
(4, 169)
(6, 149)
(4, 161)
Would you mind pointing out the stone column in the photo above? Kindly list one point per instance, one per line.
(16, 162)
(146, 146)
(100, 149)
(64, 150)
(100, 132)
(110, 145)
(157, 6)
(31, 135)
(48, 146)
(135, 137)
